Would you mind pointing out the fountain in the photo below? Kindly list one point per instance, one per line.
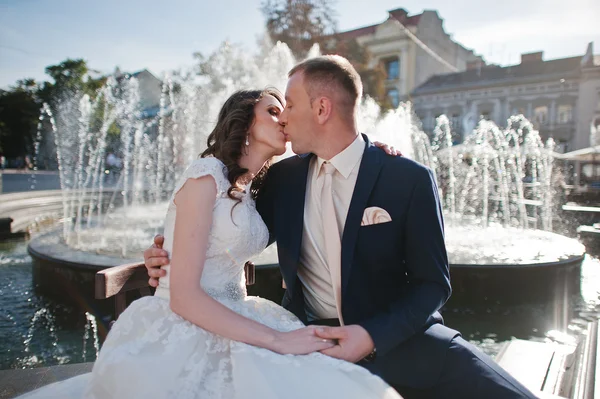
(497, 192)
(45, 320)
(91, 331)
(496, 187)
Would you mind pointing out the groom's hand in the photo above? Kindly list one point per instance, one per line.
(154, 258)
(354, 342)
(389, 149)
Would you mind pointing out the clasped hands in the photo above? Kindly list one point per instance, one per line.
(352, 342)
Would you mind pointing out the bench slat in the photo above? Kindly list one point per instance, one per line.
(118, 279)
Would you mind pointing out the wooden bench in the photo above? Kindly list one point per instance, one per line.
(117, 281)
(553, 370)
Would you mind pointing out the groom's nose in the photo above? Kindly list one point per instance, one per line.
(283, 117)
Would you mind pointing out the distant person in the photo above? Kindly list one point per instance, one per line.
(28, 163)
(113, 165)
(111, 160)
(19, 164)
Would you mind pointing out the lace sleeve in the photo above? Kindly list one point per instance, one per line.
(204, 167)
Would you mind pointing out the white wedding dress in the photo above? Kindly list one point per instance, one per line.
(151, 352)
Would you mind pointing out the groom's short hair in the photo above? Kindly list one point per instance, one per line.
(332, 76)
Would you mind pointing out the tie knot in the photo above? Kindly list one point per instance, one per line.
(328, 168)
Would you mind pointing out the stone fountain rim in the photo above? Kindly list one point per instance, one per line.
(572, 260)
(58, 251)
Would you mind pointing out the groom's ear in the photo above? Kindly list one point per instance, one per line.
(322, 108)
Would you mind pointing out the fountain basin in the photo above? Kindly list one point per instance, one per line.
(506, 284)
(505, 265)
(66, 274)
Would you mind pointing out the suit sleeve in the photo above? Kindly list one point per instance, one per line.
(428, 271)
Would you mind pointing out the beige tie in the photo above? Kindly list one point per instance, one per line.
(333, 245)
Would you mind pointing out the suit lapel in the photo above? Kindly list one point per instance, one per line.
(370, 167)
(295, 199)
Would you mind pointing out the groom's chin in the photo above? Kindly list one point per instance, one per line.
(297, 149)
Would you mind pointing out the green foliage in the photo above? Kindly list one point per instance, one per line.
(19, 112)
(299, 23)
(70, 77)
(20, 105)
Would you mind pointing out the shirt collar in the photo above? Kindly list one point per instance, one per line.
(346, 160)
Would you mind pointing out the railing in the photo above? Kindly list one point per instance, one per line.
(27, 208)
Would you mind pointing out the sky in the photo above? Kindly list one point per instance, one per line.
(135, 34)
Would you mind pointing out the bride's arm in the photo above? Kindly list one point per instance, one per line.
(195, 202)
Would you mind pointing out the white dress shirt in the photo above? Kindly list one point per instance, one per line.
(313, 270)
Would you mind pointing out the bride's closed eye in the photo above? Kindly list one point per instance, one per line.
(274, 111)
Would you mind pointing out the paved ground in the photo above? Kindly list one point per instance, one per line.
(18, 181)
(17, 382)
(14, 181)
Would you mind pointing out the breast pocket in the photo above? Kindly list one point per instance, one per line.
(381, 238)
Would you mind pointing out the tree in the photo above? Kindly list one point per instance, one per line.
(19, 112)
(20, 105)
(302, 23)
(299, 23)
(70, 77)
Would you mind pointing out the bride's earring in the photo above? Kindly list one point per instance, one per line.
(247, 142)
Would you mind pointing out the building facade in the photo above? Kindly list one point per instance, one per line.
(560, 97)
(411, 49)
(150, 91)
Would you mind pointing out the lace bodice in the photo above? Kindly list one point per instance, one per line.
(235, 236)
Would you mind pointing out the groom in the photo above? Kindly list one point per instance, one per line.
(361, 246)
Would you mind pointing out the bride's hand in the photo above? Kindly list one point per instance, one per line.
(300, 342)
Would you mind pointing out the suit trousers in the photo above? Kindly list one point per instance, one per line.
(467, 373)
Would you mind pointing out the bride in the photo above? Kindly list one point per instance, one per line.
(200, 335)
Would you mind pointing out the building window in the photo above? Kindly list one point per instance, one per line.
(429, 122)
(455, 122)
(540, 115)
(392, 68)
(565, 113)
(394, 97)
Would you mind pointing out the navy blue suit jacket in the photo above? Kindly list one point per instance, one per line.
(395, 275)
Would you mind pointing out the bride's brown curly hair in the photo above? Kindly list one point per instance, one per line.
(228, 138)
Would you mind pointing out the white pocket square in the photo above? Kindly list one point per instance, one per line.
(375, 215)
